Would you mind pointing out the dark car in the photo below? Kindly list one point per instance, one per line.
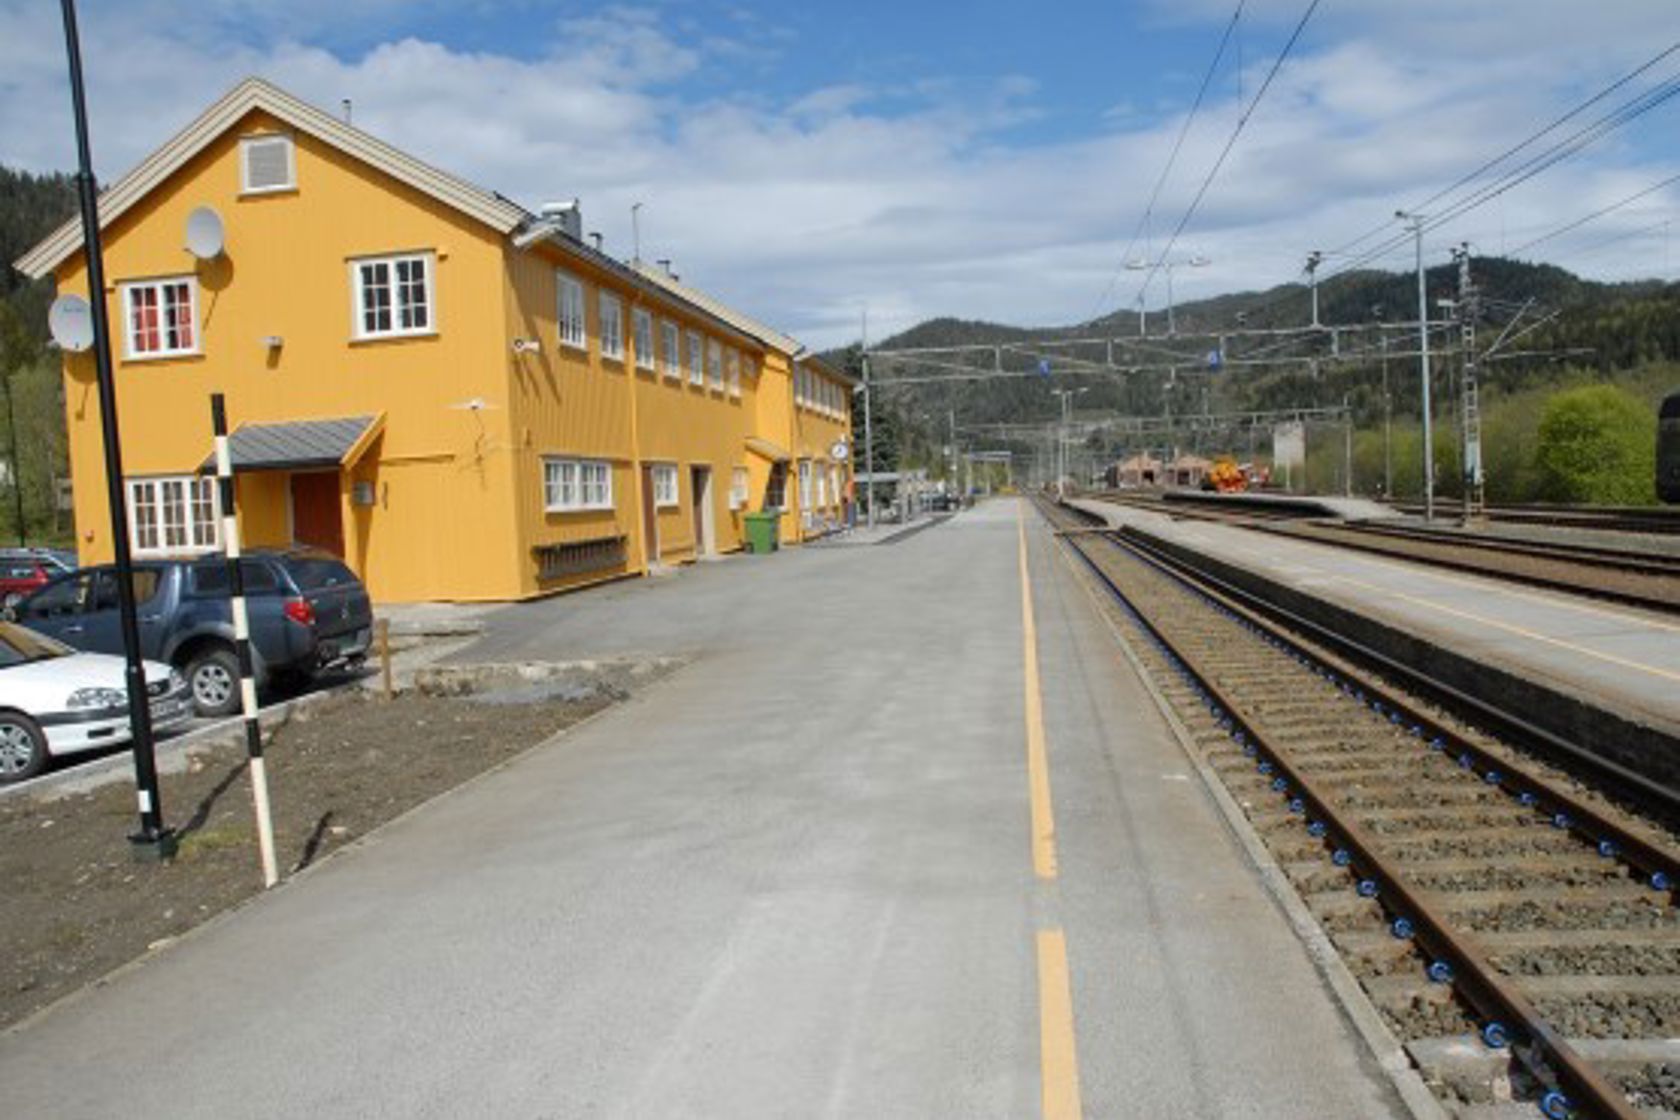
(307, 612)
(24, 570)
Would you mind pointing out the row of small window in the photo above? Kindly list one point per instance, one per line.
(573, 485)
(812, 391)
(393, 297)
(704, 360)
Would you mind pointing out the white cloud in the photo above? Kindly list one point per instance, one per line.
(917, 199)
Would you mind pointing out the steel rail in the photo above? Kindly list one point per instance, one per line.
(1608, 594)
(1473, 977)
(1644, 563)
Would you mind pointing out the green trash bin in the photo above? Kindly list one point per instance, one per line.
(762, 532)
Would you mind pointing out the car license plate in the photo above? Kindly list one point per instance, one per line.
(169, 709)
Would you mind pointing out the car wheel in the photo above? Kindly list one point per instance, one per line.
(23, 747)
(213, 674)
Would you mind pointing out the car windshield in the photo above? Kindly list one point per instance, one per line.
(19, 646)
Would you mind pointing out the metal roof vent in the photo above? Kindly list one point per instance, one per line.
(568, 216)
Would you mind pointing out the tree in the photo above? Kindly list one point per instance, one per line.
(1597, 443)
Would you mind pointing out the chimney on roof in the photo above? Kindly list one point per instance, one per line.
(568, 215)
(596, 237)
(346, 103)
(665, 263)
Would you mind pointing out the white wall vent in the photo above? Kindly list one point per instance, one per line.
(267, 164)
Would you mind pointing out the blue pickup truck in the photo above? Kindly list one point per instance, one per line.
(307, 611)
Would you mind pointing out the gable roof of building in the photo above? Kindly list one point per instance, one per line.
(252, 94)
(746, 324)
(500, 213)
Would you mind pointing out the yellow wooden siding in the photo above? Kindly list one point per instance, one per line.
(286, 273)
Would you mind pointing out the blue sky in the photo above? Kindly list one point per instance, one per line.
(985, 160)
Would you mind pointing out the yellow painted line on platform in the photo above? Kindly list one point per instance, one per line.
(1043, 821)
(1520, 631)
(1058, 1054)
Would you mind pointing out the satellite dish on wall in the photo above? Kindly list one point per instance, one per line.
(70, 319)
(205, 235)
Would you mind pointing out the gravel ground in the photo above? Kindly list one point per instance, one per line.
(78, 905)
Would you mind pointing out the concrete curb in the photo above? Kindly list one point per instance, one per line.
(1360, 1012)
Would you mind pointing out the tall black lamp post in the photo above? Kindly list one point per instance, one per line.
(153, 841)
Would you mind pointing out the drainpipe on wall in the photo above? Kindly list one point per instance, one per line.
(636, 451)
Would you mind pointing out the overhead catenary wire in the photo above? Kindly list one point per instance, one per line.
(1236, 134)
(1423, 207)
(1172, 157)
(1623, 114)
(1595, 215)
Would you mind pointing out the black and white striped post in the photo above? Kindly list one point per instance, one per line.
(242, 640)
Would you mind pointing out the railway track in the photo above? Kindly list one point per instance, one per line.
(1610, 519)
(1515, 928)
(1644, 579)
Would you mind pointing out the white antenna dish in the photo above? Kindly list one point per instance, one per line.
(205, 235)
(70, 318)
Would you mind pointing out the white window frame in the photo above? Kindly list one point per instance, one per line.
(129, 287)
(671, 338)
(571, 311)
(732, 371)
(714, 364)
(199, 522)
(665, 492)
(804, 484)
(696, 359)
(612, 326)
(740, 484)
(641, 332)
(576, 485)
(246, 143)
(358, 296)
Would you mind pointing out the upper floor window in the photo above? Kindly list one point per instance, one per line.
(266, 163)
(664, 485)
(714, 364)
(612, 327)
(673, 359)
(574, 331)
(161, 317)
(732, 371)
(643, 323)
(393, 295)
(696, 359)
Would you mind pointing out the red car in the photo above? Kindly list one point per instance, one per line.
(22, 570)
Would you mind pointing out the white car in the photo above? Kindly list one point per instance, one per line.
(55, 700)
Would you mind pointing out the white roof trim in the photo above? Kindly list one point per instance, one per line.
(254, 93)
(772, 338)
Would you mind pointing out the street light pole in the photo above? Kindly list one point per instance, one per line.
(153, 841)
(1416, 221)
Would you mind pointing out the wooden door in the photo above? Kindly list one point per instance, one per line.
(650, 518)
(317, 518)
(701, 479)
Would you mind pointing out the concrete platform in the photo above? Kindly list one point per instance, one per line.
(795, 879)
(1307, 505)
(1617, 657)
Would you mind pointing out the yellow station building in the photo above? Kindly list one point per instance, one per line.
(461, 397)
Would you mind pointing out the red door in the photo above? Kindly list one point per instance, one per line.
(316, 516)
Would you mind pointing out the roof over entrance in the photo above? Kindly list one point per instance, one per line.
(299, 444)
(771, 451)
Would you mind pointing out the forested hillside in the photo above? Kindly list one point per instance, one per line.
(1584, 332)
(31, 206)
